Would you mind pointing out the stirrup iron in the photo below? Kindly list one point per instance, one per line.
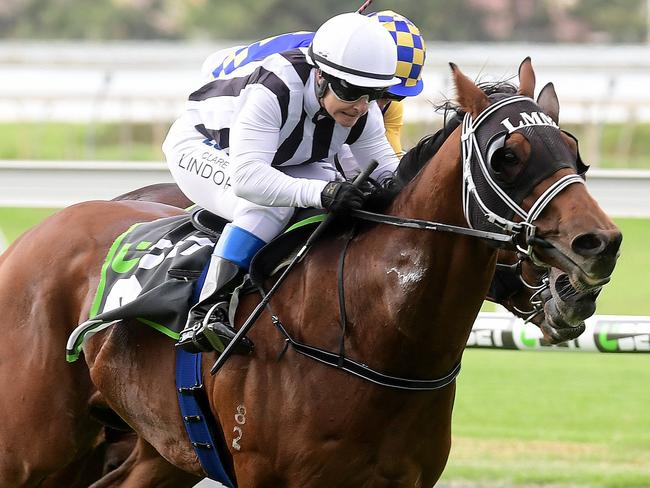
(213, 333)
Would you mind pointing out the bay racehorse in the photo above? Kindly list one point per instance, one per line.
(411, 297)
(538, 294)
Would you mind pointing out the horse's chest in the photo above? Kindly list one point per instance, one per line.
(406, 271)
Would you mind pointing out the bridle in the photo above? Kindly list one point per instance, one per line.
(536, 299)
(474, 154)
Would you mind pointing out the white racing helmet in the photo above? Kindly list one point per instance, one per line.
(356, 49)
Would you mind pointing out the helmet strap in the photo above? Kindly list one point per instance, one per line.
(320, 88)
(321, 85)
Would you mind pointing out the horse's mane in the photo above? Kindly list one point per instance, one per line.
(415, 158)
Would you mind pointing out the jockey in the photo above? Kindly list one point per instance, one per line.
(258, 141)
(411, 53)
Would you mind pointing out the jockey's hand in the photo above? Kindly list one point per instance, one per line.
(341, 196)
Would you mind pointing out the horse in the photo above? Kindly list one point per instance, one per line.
(411, 297)
(544, 296)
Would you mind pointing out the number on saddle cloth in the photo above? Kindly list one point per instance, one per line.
(152, 271)
(149, 274)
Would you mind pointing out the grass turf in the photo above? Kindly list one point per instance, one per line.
(15, 221)
(552, 418)
(609, 146)
(67, 141)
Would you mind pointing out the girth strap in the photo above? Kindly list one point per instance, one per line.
(198, 420)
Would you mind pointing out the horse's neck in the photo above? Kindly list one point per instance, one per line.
(432, 283)
(435, 193)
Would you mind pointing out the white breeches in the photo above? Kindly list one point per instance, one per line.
(203, 174)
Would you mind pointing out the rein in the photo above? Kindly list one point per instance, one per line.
(501, 240)
(362, 371)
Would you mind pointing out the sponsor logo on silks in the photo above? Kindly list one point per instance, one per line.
(207, 167)
(609, 340)
(529, 119)
(211, 143)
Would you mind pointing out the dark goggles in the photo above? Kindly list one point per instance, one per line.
(349, 93)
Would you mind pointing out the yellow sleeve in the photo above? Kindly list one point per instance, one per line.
(393, 122)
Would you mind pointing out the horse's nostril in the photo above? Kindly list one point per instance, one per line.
(598, 243)
(590, 244)
(615, 242)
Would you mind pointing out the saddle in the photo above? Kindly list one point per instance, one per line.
(151, 271)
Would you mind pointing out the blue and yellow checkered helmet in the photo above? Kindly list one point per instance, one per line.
(411, 52)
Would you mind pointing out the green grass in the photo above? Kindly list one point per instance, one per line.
(15, 221)
(617, 145)
(65, 141)
(622, 146)
(556, 418)
(628, 292)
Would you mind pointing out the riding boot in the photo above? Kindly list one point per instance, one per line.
(207, 327)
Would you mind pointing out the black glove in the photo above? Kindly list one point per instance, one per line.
(338, 196)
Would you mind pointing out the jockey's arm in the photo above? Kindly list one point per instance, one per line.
(254, 139)
(393, 122)
(373, 145)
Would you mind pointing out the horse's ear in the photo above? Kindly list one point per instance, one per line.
(470, 97)
(547, 99)
(526, 78)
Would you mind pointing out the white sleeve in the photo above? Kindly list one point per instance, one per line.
(372, 144)
(254, 140)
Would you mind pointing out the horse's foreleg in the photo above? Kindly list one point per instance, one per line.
(145, 468)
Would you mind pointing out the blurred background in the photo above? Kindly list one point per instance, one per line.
(88, 89)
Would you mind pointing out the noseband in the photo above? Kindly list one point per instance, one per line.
(492, 205)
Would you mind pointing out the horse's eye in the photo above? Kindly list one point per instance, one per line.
(509, 157)
(503, 159)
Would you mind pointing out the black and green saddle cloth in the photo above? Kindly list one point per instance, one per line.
(151, 270)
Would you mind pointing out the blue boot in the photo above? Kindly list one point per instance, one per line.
(207, 327)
